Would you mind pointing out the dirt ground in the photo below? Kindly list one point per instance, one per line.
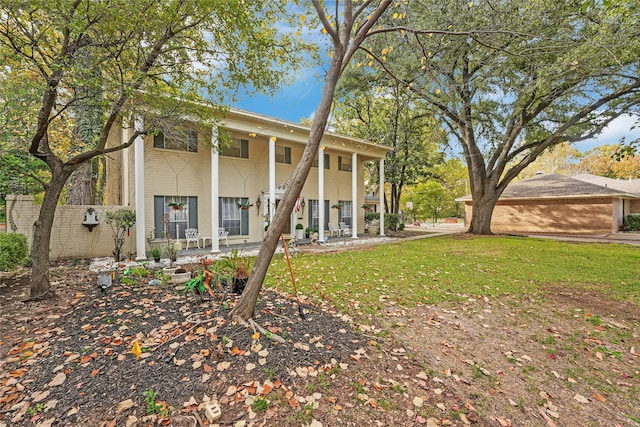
(558, 358)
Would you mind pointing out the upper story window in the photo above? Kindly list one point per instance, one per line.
(238, 148)
(183, 140)
(283, 154)
(344, 164)
(327, 164)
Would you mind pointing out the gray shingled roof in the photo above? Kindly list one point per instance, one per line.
(627, 185)
(558, 186)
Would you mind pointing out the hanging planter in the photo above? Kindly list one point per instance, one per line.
(337, 206)
(176, 206)
(244, 206)
(367, 208)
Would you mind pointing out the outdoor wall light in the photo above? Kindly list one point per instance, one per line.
(258, 202)
(90, 219)
(302, 203)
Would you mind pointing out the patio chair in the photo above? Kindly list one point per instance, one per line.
(333, 229)
(191, 235)
(222, 235)
(346, 230)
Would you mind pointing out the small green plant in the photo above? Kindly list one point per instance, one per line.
(398, 388)
(596, 320)
(384, 404)
(270, 373)
(359, 387)
(153, 407)
(120, 221)
(306, 414)
(195, 285)
(35, 410)
(155, 253)
(135, 275)
(260, 405)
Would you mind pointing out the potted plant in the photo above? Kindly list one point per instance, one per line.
(299, 231)
(171, 251)
(155, 253)
(176, 206)
(336, 206)
(244, 205)
(366, 207)
(238, 268)
(307, 232)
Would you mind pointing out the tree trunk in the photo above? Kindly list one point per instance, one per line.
(342, 52)
(481, 215)
(40, 284)
(80, 189)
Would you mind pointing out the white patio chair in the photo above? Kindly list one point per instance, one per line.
(346, 230)
(191, 235)
(333, 229)
(222, 235)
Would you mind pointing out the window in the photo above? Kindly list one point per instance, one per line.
(344, 164)
(238, 148)
(314, 215)
(283, 154)
(174, 214)
(345, 211)
(326, 161)
(232, 219)
(185, 140)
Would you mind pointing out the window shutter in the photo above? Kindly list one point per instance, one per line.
(158, 213)
(158, 140)
(287, 155)
(244, 218)
(215, 232)
(326, 214)
(244, 148)
(193, 212)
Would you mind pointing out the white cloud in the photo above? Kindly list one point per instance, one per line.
(617, 129)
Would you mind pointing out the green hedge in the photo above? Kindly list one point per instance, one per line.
(633, 222)
(13, 250)
(391, 220)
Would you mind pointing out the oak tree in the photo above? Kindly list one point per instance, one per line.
(510, 79)
(117, 60)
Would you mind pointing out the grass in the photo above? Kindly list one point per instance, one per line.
(452, 268)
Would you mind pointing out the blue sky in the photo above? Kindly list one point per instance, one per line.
(300, 100)
(291, 103)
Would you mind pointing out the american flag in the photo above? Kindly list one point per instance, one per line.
(298, 206)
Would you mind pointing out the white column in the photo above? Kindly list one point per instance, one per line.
(381, 195)
(321, 194)
(124, 137)
(272, 178)
(215, 191)
(141, 250)
(354, 196)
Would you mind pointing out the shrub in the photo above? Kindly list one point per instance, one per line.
(633, 222)
(393, 221)
(369, 217)
(13, 250)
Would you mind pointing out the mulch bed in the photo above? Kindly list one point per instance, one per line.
(71, 363)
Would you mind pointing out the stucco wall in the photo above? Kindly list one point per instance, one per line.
(176, 173)
(69, 238)
(573, 216)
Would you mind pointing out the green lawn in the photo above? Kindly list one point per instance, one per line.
(449, 268)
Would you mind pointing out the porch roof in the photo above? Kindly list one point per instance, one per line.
(254, 124)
